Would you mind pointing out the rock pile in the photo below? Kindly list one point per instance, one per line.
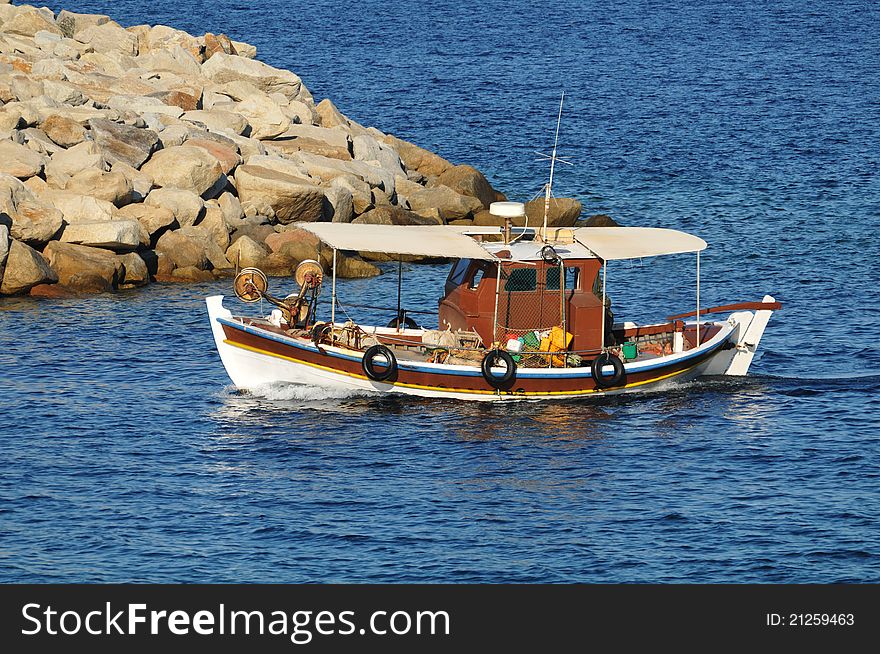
(135, 154)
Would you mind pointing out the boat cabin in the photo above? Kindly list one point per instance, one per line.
(532, 296)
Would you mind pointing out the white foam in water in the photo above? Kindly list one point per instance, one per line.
(279, 391)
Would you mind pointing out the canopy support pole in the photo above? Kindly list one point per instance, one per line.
(698, 299)
(497, 295)
(333, 298)
(604, 300)
(400, 321)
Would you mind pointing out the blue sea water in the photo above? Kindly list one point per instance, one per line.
(125, 456)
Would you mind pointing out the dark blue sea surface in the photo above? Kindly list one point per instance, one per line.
(126, 456)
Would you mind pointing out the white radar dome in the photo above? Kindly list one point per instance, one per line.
(507, 209)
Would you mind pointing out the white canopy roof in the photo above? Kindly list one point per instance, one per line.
(610, 243)
(607, 243)
(422, 240)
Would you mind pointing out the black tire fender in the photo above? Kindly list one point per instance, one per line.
(369, 365)
(603, 381)
(493, 356)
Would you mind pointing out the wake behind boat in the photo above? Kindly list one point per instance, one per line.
(524, 314)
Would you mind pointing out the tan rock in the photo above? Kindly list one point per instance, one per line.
(362, 197)
(130, 145)
(214, 225)
(4, 248)
(113, 186)
(109, 38)
(186, 207)
(191, 274)
(329, 115)
(141, 184)
(217, 120)
(184, 251)
(77, 208)
(227, 157)
(136, 272)
(155, 220)
(231, 208)
(416, 158)
(341, 204)
(222, 68)
(34, 223)
(216, 44)
(28, 21)
(391, 215)
(264, 116)
(452, 205)
(20, 161)
(292, 198)
(184, 167)
(355, 268)
(24, 269)
(25, 88)
(246, 252)
(118, 235)
(63, 131)
(85, 268)
(467, 180)
(245, 50)
(64, 165)
(564, 212)
(70, 23)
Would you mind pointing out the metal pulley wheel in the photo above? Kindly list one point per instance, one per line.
(250, 285)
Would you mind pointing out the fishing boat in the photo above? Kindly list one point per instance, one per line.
(524, 314)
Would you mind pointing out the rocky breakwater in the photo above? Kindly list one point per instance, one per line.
(130, 155)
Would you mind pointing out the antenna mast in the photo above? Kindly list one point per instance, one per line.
(553, 160)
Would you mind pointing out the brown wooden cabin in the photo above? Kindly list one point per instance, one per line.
(530, 298)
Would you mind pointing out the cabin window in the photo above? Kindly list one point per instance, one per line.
(572, 275)
(521, 279)
(459, 271)
(477, 278)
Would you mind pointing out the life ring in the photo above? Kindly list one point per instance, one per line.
(369, 363)
(603, 381)
(491, 358)
(408, 323)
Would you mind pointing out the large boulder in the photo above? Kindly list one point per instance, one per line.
(222, 68)
(155, 220)
(564, 212)
(329, 115)
(186, 207)
(28, 21)
(264, 116)
(118, 235)
(136, 271)
(140, 183)
(4, 248)
(27, 219)
(416, 158)
(227, 156)
(109, 38)
(84, 268)
(292, 198)
(451, 205)
(70, 23)
(467, 180)
(184, 251)
(246, 252)
(391, 215)
(68, 163)
(130, 145)
(217, 120)
(78, 208)
(34, 223)
(338, 204)
(600, 220)
(63, 131)
(25, 268)
(184, 167)
(20, 161)
(113, 186)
